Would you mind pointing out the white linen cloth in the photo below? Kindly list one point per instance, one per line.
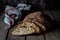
(9, 10)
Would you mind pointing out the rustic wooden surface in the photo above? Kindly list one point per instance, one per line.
(3, 32)
(51, 35)
(54, 34)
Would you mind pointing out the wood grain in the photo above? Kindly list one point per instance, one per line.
(39, 37)
(3, 31)
(54, 34)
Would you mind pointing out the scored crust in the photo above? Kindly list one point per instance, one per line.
(25, 28)
(23, 31)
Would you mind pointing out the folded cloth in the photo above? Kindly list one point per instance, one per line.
(11, 10)
(14, 13)
(23, 6)
(8, 20)
(11, 14)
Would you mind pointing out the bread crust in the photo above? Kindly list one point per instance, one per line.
(36, 21)
(25, 28)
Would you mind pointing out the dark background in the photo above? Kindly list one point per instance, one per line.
(39, 4)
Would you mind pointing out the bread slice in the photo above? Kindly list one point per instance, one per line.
(25, 28)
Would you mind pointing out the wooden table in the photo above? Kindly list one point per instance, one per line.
(51, 35)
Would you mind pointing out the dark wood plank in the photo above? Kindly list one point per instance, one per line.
(39, 37)
(54, 34)
(16, 38)
(31, 37)
(3, 31)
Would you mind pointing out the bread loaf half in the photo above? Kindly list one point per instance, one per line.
(25, 28)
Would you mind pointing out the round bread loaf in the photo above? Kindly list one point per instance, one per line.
(40, 18)
(33, 23)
